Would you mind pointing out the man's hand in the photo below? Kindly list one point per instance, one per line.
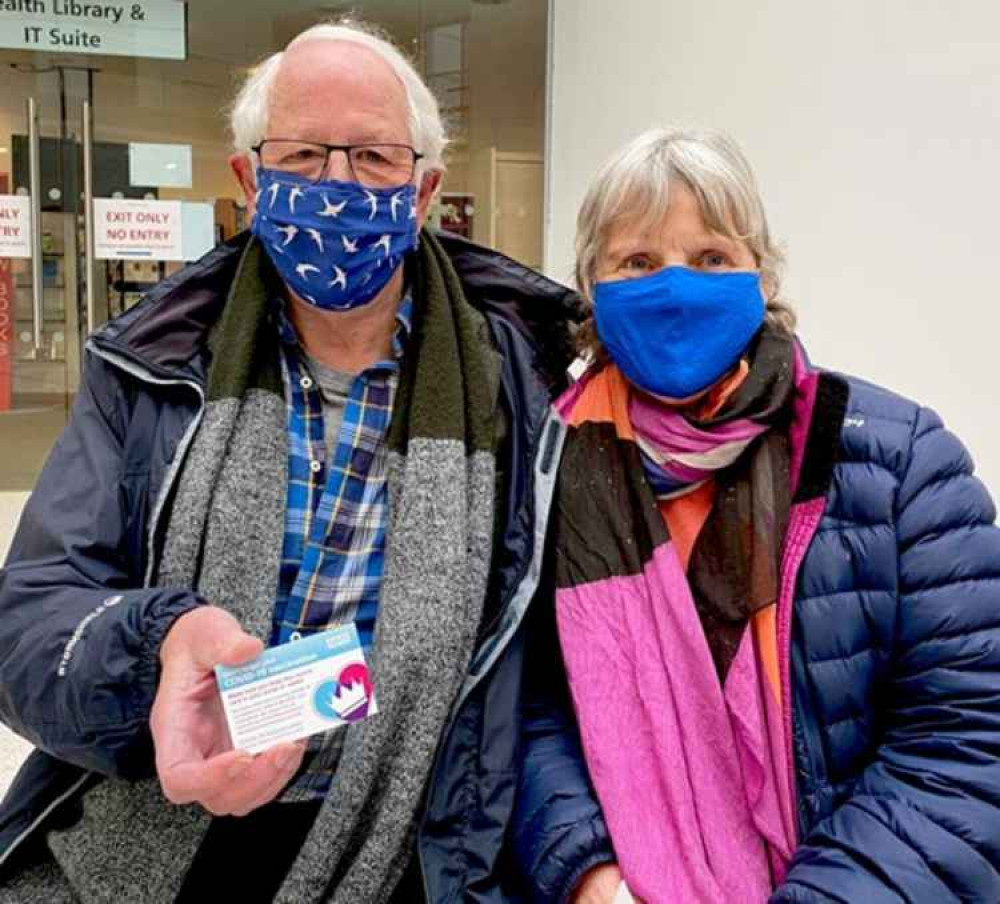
(598, 885)
(192, 743)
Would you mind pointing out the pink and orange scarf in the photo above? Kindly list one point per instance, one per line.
(670, 647)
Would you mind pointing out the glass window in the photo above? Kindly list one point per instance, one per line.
(160, 133)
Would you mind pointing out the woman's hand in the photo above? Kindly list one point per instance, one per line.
(598, 885)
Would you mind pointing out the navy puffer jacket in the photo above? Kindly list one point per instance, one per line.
(895, 677)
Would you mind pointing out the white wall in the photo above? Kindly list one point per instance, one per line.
(874, 131)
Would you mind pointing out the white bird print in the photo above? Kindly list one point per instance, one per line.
(383, 243)
(317, 237)
(413, 212)
(349, 246)
(370, 197)
(339, 278)
(331, 210)
(289, 232)
(305, 269)
(394, 203)
(296, 192)
(274, 189)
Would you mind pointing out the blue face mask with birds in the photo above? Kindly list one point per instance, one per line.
(335, 244)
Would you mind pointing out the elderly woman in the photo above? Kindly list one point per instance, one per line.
(776, 589)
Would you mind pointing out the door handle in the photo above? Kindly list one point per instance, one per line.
(35, 187)
(88, 213)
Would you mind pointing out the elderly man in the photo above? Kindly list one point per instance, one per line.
(332, 421)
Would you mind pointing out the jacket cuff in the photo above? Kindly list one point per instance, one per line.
(165, 613)
(792, 893)
(573, 879)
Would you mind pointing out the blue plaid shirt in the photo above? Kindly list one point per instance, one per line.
(337, 513)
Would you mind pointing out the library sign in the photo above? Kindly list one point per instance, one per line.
(151, 28)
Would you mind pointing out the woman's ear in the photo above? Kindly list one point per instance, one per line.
(768, 286)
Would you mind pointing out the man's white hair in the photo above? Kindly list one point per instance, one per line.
(249, 112)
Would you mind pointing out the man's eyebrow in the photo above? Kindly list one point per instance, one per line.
(310, 136)
(377, 138)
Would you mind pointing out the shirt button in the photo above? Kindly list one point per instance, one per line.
(315, 466)
(306, 383)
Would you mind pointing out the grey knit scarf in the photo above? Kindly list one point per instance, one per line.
(224, 540)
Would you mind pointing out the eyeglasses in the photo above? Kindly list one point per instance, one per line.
(372, 165)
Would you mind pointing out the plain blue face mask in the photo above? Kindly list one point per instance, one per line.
(335, 244)
(678, 331)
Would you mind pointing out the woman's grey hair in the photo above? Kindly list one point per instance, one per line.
(249, 111)
(634, 187)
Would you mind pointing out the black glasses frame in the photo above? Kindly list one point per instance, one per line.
(346, 148)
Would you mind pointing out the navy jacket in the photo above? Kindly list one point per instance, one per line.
(895, 670)
(80, 629)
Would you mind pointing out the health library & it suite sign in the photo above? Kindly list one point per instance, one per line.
(148, 28)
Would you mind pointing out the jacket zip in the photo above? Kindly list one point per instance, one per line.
(545, 457)
(552, 434)
(801, 531)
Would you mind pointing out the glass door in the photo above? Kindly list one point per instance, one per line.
(42, 323)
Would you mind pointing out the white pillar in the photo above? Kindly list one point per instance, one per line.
(873, 131)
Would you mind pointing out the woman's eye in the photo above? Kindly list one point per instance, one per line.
(714, 259)
(637, 263)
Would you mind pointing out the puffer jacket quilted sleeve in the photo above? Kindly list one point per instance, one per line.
(922, 822)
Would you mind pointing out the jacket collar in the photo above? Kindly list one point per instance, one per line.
(818, 411)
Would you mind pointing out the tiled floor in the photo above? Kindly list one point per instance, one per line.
(26, 435)
(12, 749)
(10, 510)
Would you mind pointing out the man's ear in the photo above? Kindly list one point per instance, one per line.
(429, 185)
(243, 168)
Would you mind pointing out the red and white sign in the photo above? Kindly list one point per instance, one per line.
(137, 230)
(6, 333)
(15, 226)
(7, 285)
